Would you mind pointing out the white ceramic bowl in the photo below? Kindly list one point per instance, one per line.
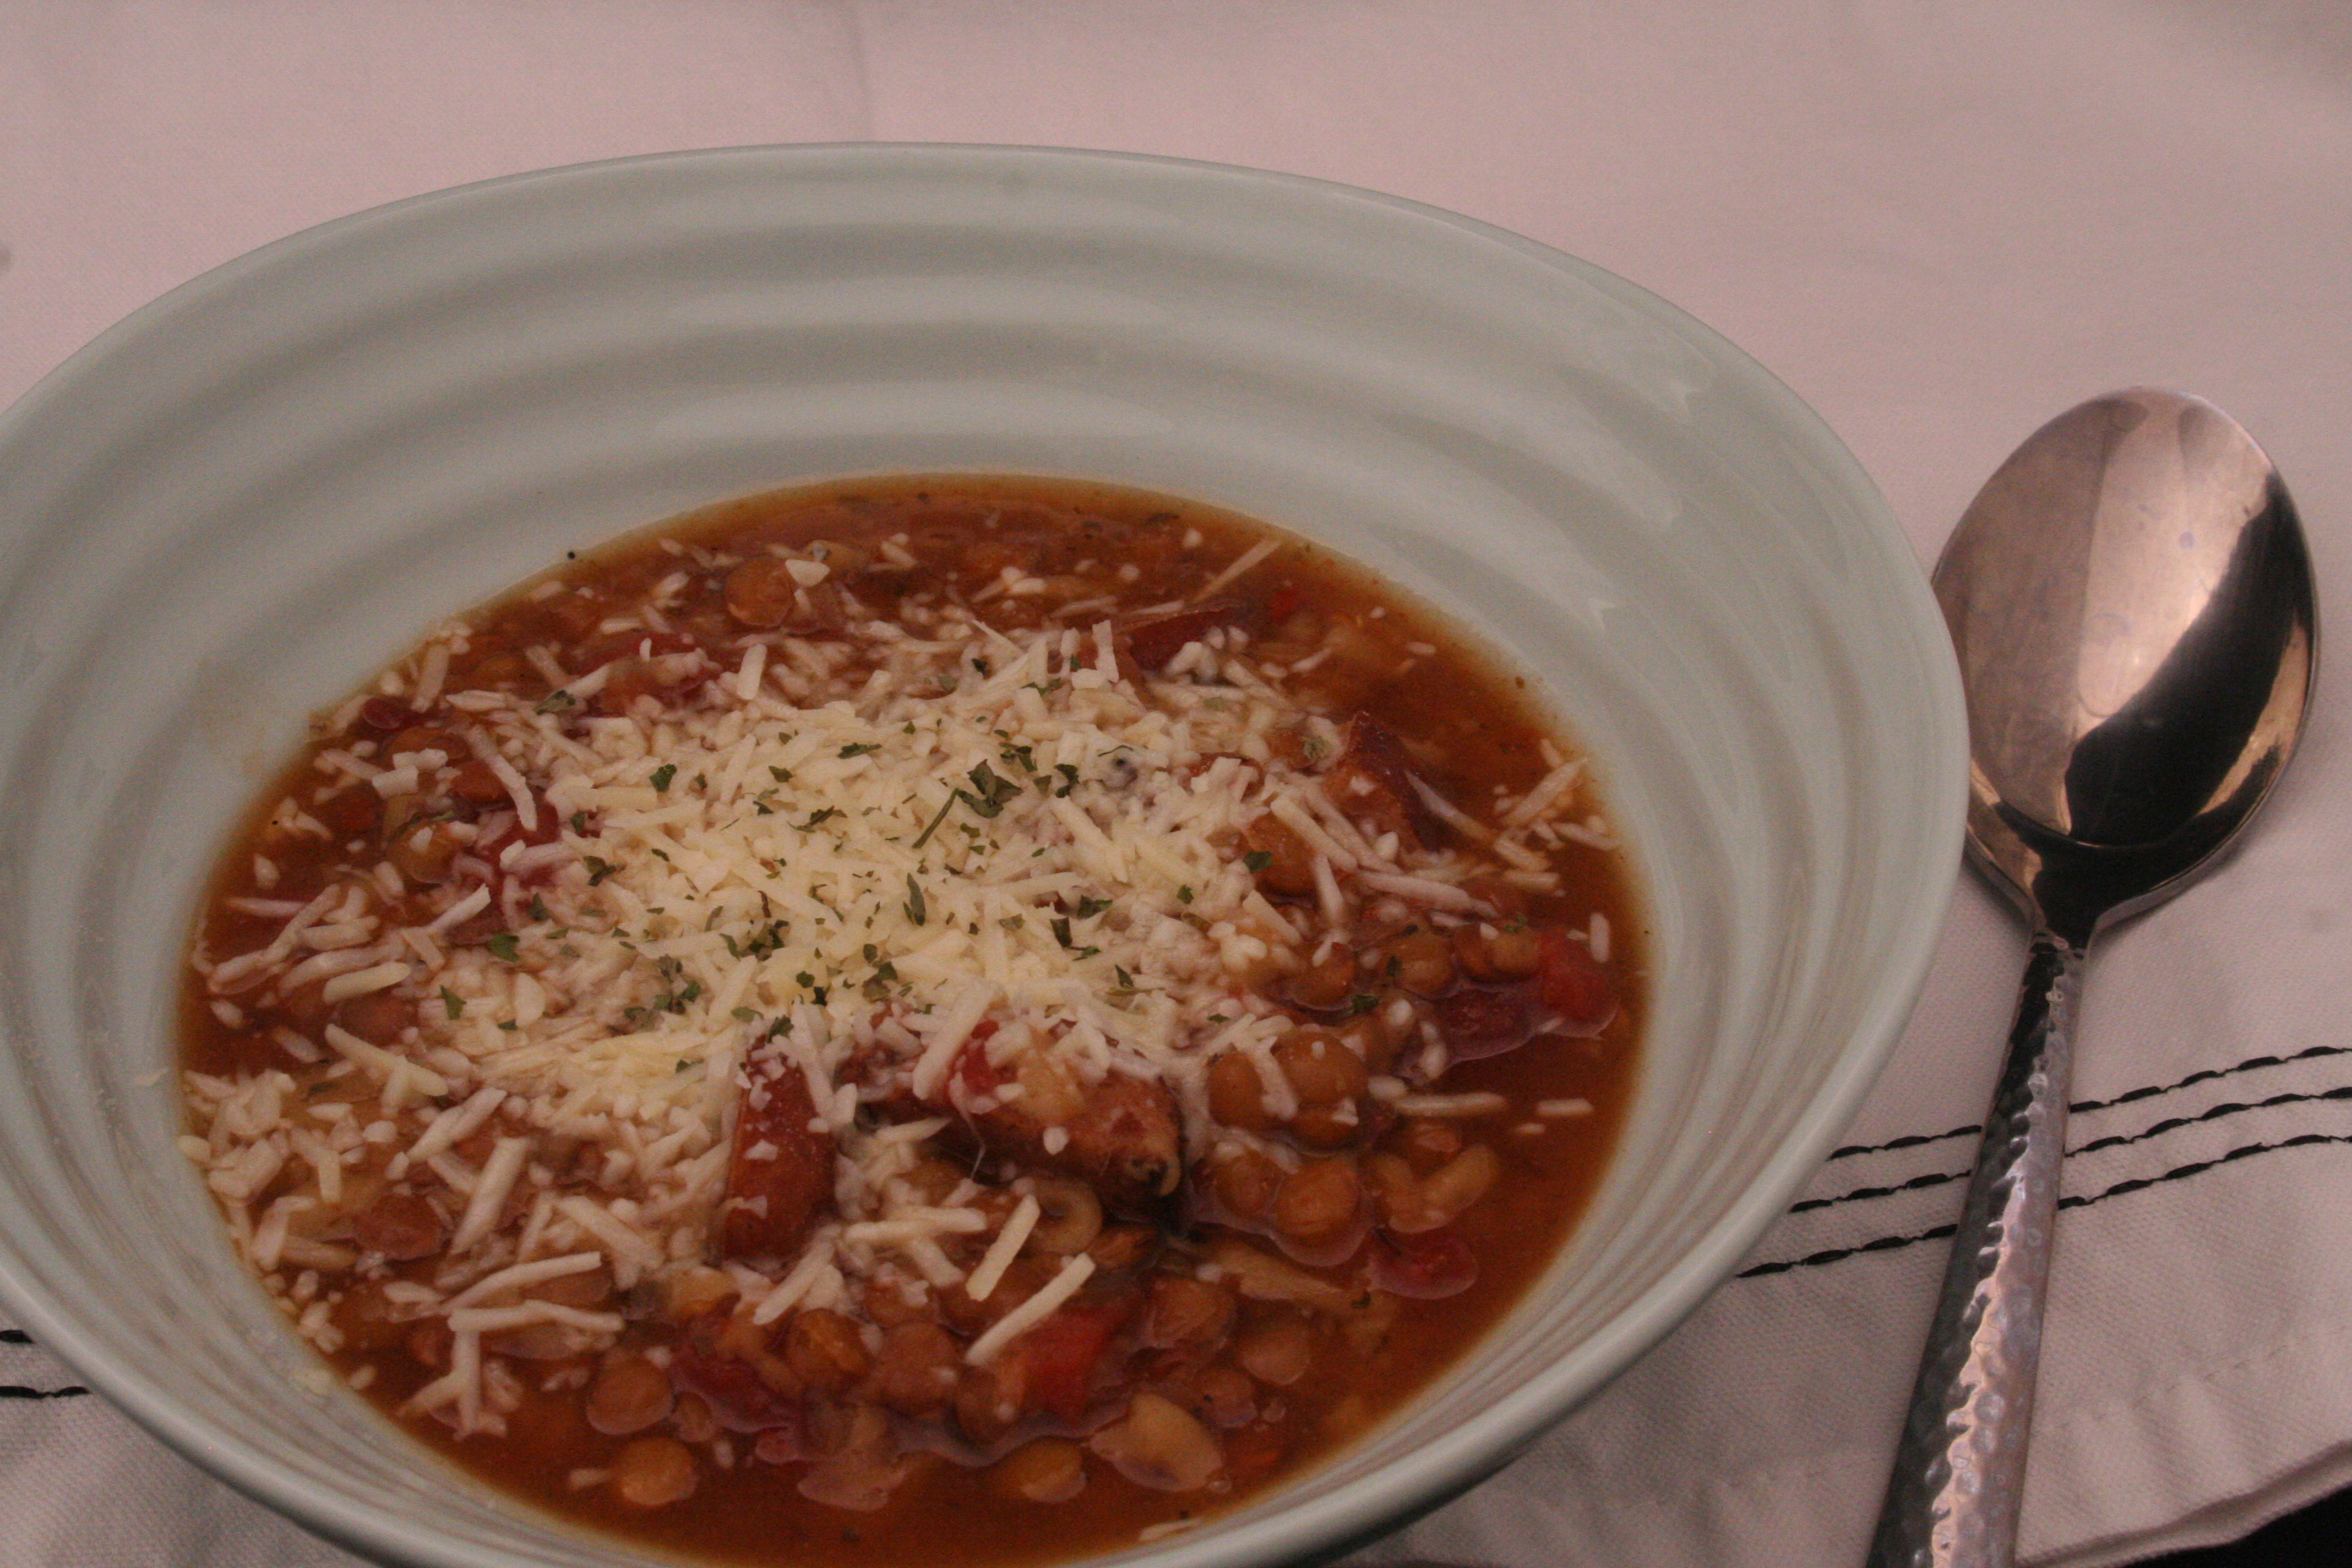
(233, 506)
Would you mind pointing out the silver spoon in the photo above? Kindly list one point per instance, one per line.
(2132, 604)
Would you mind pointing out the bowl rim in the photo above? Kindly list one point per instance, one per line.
(1464, 1454)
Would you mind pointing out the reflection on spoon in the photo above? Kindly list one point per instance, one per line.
(2132, 603)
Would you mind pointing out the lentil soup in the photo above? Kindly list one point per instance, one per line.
(946, 1015)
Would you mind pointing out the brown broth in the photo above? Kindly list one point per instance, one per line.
(1475, 734)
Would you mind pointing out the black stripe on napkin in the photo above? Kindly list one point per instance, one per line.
(2113, 1141)
(23, 1391)
(2134, 1185)
(2079, 1107)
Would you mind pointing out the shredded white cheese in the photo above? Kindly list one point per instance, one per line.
(1030, 1314)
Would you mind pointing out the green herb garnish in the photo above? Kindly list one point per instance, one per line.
(925, 836)
(993, 792)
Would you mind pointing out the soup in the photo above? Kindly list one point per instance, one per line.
(954, 1015)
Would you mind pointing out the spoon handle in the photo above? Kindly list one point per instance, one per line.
(1952, 1498)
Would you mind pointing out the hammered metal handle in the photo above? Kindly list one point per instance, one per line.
(1951, 1502)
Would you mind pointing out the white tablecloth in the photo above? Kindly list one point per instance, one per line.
(1940, 225)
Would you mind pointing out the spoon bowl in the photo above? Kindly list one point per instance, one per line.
(2131, 600)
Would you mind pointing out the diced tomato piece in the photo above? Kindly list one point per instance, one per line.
(968, 1077)
(1429, 1267)
(974, 1074)
(546, 824)
(1152, 642)
(545, 827)
(771, 1200)
(476, 784)
(1254, 1451)
(482, 924)
(781, 1445)
(1372, 779)
(1476, 1022)
(1065, 1349)
(739, 1397)
(1283, 603)
(351, 811)
(1571, 982)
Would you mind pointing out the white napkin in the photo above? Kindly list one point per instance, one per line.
(1940, 225)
